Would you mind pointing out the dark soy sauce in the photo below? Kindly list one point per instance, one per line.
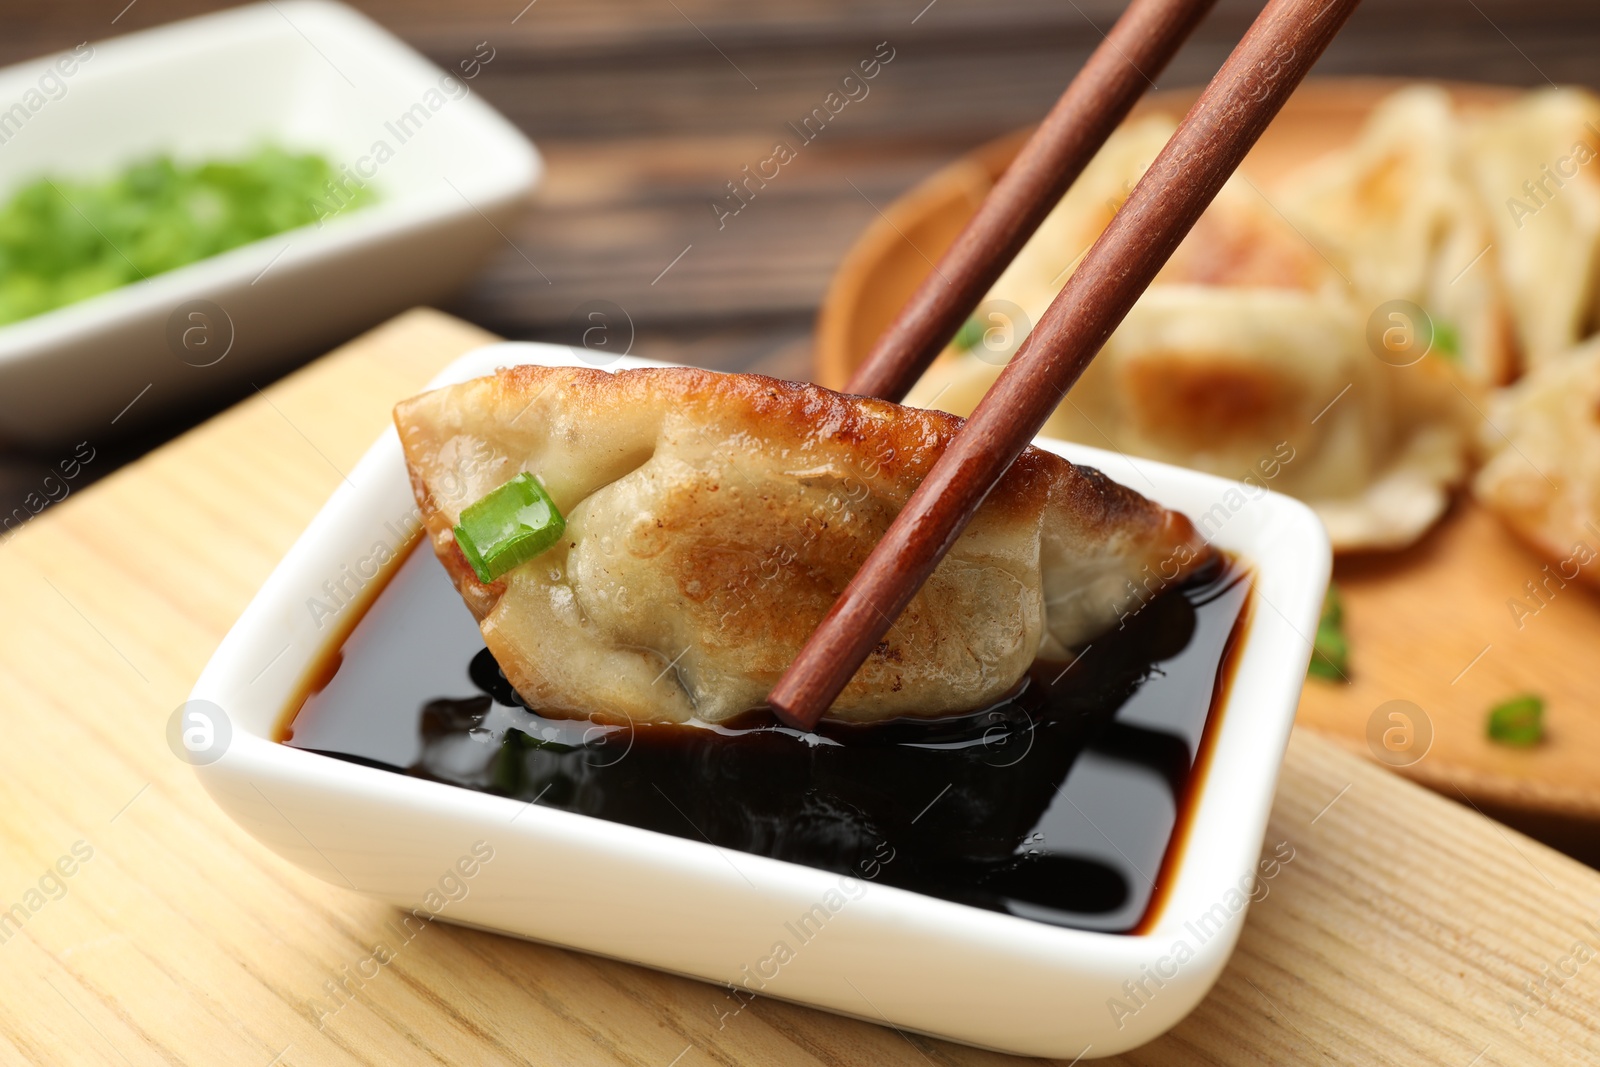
(1063, 803)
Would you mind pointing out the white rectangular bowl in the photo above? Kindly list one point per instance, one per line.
(890, 955)
(308, 74)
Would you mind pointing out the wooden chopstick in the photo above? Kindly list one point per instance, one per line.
(1224, 123)
(1099, 97)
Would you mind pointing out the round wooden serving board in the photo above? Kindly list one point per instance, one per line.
(1431, 625)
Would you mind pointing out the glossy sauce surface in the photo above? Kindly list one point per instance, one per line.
(1060, 804)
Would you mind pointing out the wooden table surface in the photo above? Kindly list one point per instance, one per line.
(138, 925)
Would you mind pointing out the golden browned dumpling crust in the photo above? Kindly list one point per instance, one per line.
(1533, 166)
(1542, 477)
(1249, 356)
(712, 520)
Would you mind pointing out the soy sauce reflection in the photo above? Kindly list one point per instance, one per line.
(1058, 804)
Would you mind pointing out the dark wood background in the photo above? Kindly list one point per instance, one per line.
(645, 108)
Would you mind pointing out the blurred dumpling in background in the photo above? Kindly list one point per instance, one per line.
(1542, 477)
(1534, 166)
(1278, 387)
(1039, 271)
(1241, 240)
(1397, 213)
(1246, 358)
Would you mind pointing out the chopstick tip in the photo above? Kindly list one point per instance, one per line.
(792, 709)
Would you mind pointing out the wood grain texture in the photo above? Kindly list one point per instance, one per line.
(1433, 625)
(1403, 931)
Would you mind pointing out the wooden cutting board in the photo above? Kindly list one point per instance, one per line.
(1430, 626)
(1403, 931)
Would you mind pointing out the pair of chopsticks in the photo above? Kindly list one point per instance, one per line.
(1270, 61)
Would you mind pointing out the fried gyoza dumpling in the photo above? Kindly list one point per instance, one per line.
(1236, 361)
(1536, 173)
(1036, 275)
(1273, 387)
(1397, 213)
(712, 520)
(1543, 474)
(1223, 380)
(1239, 241)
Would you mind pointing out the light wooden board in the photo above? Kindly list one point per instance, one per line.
(1418, 620)
(1433, 626)
(1402, 932)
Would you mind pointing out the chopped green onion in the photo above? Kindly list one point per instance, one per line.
(509, 767)
(509, 771)
(65, 239)
(970, 335)
(1447, 342)
(508, 527)
(1518, 721)
(1330, 652)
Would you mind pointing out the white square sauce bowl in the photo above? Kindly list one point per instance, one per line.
(682, 905)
